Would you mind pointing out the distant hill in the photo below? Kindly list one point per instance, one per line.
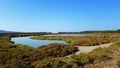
(4, 31)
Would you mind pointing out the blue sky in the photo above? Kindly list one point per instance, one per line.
(59, 15)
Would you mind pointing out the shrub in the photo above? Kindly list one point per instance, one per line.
(70, 65)
(81, 59)
(49, 63)
(118, 63)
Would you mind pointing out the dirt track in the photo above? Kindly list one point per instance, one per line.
(87, 49)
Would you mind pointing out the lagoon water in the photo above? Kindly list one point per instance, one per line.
(67, 35)
(36, 43)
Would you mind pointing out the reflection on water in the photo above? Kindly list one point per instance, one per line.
(34, 43)
(37, 43)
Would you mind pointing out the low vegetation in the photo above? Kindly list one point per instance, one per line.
(91, 40)
(55, 55)
(118, 63)
(20, 56)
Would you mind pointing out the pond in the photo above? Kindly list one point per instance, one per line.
(36, 43)
(67, 35)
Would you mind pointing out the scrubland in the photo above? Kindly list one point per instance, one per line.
(55, 55)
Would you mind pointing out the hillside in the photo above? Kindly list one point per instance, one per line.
(4, 31)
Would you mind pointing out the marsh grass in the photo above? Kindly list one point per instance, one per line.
(92, 40)
(118, 63)
(54, 55)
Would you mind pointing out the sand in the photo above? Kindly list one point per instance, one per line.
(87, 49)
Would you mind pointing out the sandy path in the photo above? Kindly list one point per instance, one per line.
(87, 49)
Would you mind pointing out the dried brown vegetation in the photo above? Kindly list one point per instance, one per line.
(54, 55)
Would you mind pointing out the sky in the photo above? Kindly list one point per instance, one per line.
(59, 15)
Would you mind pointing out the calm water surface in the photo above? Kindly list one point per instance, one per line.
(36, 43)
(67, 35)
